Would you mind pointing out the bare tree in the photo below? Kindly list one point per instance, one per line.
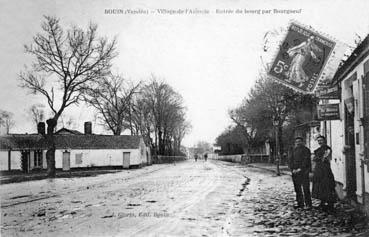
(37, 113)
(112, 99)
(6, 120)
(66, 61)
(232, 141)
(158, 113)
(181, 129)
(66, 121)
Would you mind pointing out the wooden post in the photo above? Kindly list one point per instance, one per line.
(9, 160)
(278, 151)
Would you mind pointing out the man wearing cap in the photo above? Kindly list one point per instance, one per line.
(300, 165)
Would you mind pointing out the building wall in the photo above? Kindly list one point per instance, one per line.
(44, 162)
(358, 93)
(359, 140)
(97, 157)
(143, 153)
(15, 160)
(311, 142)
(3, 160)
(82, 157)
(336, 143)
(361, 172)
(334, 132)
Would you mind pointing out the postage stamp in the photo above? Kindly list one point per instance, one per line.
(302, 58)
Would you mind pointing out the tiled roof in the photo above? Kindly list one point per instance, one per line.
(97, 141)
(22, 141)
(37, 141)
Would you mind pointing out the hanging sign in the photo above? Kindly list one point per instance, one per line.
(328, 112)
(328, 92)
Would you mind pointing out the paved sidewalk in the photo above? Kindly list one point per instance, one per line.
(283, 220)
(266, 209)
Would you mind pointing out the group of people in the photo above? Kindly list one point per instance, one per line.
(205, 157)
(322, 176)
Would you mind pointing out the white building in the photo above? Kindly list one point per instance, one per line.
(349, 136)
(28, 151)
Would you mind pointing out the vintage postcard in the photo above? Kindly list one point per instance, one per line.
(184, 118)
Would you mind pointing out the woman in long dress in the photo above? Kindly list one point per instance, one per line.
(323, 179)
(300, 53)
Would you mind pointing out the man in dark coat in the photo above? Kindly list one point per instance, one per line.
(300, 165)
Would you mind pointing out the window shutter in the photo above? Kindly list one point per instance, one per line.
(366, 112)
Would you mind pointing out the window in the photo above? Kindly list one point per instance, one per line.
(79, 158)
(38, 158)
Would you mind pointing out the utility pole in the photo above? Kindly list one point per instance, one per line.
(278, 150)
(276, 126)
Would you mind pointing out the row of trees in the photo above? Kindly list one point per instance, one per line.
(268, 106)
(154, 110)
(73, 66)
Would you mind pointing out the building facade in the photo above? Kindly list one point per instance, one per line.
(27, 152)
(349, 135)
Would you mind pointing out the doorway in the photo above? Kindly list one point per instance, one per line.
(25, 161)
(350, 153)
(66, 161)
(126, 160)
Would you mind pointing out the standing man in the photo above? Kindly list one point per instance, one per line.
(300, 165)
(206, 156)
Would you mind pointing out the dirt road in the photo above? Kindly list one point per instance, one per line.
(187, 199)
(190, 198)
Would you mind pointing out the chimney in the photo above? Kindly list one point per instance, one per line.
(41, 128)
(51, 123)
(88, 128)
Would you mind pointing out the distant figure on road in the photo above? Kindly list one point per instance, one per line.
(323, 179)
(300, 165)
(196, 156)
(206, 156)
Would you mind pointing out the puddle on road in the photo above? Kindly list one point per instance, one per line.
(151, 201)
(21, 196)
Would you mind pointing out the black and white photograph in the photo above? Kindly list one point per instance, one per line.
(184, 118)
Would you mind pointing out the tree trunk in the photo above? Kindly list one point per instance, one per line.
(160, 138)
(280, 137)
(50, 154)
(50, 159)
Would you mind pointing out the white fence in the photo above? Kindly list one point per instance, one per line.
(244, 159)
(241, 158)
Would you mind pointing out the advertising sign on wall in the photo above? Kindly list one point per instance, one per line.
(328, 112)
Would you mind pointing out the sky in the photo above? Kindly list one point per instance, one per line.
(212, 59)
